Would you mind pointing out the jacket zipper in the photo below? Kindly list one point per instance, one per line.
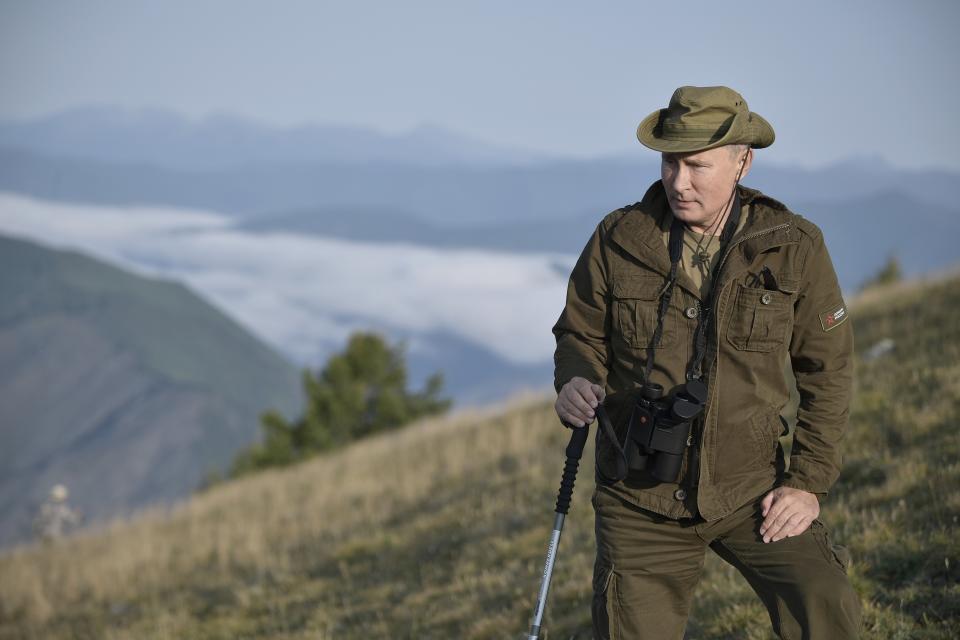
(751, 236)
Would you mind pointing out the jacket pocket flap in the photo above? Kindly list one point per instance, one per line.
(788, 283)
(638, 288)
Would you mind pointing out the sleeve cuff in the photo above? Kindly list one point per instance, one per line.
(797, 483)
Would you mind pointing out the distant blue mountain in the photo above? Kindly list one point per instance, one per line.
(118, 156)
(165, 139)
(862, 233)
(449, 196)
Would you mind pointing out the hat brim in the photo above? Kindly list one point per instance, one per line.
(751, 129)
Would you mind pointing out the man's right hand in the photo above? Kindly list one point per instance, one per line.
(577, 402)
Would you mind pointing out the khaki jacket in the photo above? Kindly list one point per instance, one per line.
(610, 315)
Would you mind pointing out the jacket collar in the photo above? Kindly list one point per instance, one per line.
(770, 225)
(640, 231)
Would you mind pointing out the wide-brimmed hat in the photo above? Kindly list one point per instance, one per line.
(700, 118)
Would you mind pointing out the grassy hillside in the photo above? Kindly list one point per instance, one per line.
(128, 389)
(439, 531)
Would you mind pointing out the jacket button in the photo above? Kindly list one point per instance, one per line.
(680, 494)
(766, 298)
(691, 312)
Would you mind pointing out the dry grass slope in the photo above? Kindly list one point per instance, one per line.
(439, 531)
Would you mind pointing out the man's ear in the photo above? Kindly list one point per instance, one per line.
(747, 163)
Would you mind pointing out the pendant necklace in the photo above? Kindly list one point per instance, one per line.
(700, 256)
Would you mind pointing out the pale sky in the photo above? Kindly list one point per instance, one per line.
(835, 79)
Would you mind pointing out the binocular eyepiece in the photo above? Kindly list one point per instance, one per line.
(660, 428)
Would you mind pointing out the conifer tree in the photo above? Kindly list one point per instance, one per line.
(359, 392)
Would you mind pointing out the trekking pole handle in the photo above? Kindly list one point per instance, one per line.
(574, 452)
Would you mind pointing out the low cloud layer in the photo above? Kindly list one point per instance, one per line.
(305, 294)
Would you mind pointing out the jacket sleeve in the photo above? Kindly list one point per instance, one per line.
(821, 352)
(583, 330)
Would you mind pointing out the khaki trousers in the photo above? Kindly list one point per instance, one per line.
(648, 566)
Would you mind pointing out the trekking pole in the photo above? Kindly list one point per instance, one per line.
(574, 451)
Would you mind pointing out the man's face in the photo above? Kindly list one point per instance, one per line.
(698, 185)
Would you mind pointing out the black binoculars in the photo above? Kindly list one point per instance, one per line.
(660, 428)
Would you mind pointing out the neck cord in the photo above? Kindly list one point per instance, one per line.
(693, 371)
(676, 248)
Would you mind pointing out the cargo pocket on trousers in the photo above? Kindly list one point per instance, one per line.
(835, 553)
(604, 605)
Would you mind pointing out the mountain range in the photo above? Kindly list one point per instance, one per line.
(113, 156)
(162, 138)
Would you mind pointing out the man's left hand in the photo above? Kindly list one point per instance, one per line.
(787, 512)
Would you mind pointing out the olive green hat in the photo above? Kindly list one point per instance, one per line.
(700, 118)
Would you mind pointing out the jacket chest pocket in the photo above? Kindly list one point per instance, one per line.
(635, 303)
(760, 319)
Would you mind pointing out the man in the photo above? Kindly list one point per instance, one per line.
(705, 282)
(56, 517)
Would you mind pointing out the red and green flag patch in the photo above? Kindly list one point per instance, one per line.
(833, 317)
